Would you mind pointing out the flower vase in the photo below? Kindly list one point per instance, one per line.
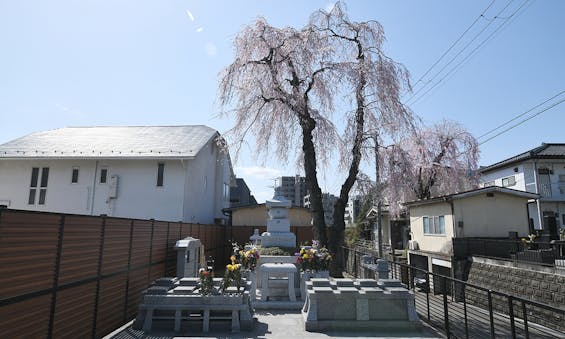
(251, 276)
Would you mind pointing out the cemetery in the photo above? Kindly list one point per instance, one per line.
(276, 282)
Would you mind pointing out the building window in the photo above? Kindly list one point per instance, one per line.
(160, 172)
(74, 176)
(563, 219)
(434, 225)
(103, 175)
(488, 183)
(507, 182)
(41, 179)
(226, 192)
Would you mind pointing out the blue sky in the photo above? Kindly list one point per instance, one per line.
(134, 62)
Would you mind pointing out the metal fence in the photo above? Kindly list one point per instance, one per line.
(537, 252)
(463, 310)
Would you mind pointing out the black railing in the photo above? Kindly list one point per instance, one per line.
(542, 253)
(463, 310)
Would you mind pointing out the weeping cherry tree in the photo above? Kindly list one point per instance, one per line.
(282, 89)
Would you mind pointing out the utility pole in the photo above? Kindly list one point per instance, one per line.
(378, 223)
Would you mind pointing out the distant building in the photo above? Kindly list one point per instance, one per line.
(352, 210)
(240, 195)
(292, 188)
(542, 171)
(328, 202)
(173, 173)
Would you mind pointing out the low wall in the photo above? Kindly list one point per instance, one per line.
(540, 284)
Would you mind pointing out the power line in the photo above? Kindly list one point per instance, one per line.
(460, 51)
(523, 121)
(519, 115)
(466, 58)
(455, 43)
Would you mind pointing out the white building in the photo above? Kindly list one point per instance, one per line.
(173, 173)
(540, 170)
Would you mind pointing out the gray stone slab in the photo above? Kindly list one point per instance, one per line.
(319, 282)
(189, 281)
(323, 289)
(348, 289)
(389, 283)
(344, 282)
(184, 290)
(367, 282)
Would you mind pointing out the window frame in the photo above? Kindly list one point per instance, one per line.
(37, 193)
(74, 180)
(105, 176)
(160, 174)
(511, 181)
(433, 225)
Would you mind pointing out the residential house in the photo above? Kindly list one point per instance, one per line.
(174, 173)
(240, 194)
(540, 170)
(395, 230)
(489, 212)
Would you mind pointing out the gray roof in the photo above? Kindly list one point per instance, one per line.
(111, 142)
(545, 151)
(489, 189)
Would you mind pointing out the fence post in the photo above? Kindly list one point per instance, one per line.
(150, 252)
(490, 312)
(56, 277)
(128, 274)
(99, 276)
(428, 293)
(445, 307)
(525, 317)
(465, 310)
(167, 250)
(511, 314)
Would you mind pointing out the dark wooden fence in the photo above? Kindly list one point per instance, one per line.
(74, 276)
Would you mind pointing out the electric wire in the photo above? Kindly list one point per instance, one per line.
(455, 43)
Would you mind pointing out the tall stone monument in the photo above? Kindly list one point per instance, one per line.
(278, 226)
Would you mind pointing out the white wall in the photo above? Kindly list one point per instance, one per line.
(495, 216)
(203, 188)
(432, 242)
(62, 196)
(499, 174)
(138, 195)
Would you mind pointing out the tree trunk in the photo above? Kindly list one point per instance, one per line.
(319, 224)
(337, 230)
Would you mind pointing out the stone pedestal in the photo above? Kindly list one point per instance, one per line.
(278, 226)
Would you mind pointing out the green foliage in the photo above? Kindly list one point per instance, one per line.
(352, 235)
(277, 250)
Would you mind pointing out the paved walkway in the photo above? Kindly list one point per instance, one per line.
(270, 324)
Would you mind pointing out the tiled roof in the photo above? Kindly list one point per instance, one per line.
(111, 142)
(545, 151)
(474, 192)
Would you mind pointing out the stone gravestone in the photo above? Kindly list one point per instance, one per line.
(278, 226)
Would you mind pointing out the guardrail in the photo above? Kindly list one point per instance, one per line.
(463, 310)
(541, 253)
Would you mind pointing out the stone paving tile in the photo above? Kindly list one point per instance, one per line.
(271, 324)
